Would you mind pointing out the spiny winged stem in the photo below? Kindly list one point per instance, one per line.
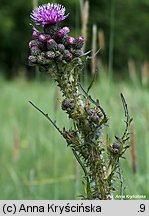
(61, 55)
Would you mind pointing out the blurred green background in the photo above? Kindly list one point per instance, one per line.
(34, 160)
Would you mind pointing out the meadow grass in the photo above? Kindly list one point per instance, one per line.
(34, 160)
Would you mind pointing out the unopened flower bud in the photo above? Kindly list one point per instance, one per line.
(70, 40)
(42, 37)
(93, 116)
(50, 54)
(60, 33)
(63, 32)
(61, 48)
(115, 147)
(32, 43)
(68, 104)
(80, 42)
(32, 60)
(78, 52)
(66, 29)
(51, 44)
(36, 34)
(35, 51)
(68, 55)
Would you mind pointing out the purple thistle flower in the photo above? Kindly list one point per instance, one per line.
(48, 14)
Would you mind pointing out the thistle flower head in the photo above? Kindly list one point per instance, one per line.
(48, 14)
(53, 41)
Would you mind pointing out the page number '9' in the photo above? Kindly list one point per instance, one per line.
(142, 208)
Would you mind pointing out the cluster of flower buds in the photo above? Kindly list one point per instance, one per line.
(54, 43)
(94, 116)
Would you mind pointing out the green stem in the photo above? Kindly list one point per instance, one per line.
(69, 87)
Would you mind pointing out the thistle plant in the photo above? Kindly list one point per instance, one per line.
(62, 57)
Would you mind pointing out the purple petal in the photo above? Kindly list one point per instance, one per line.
(48, 14)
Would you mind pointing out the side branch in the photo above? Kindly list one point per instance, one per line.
(73, 150)
(96, 103)
(47, 117)
(128, 118)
